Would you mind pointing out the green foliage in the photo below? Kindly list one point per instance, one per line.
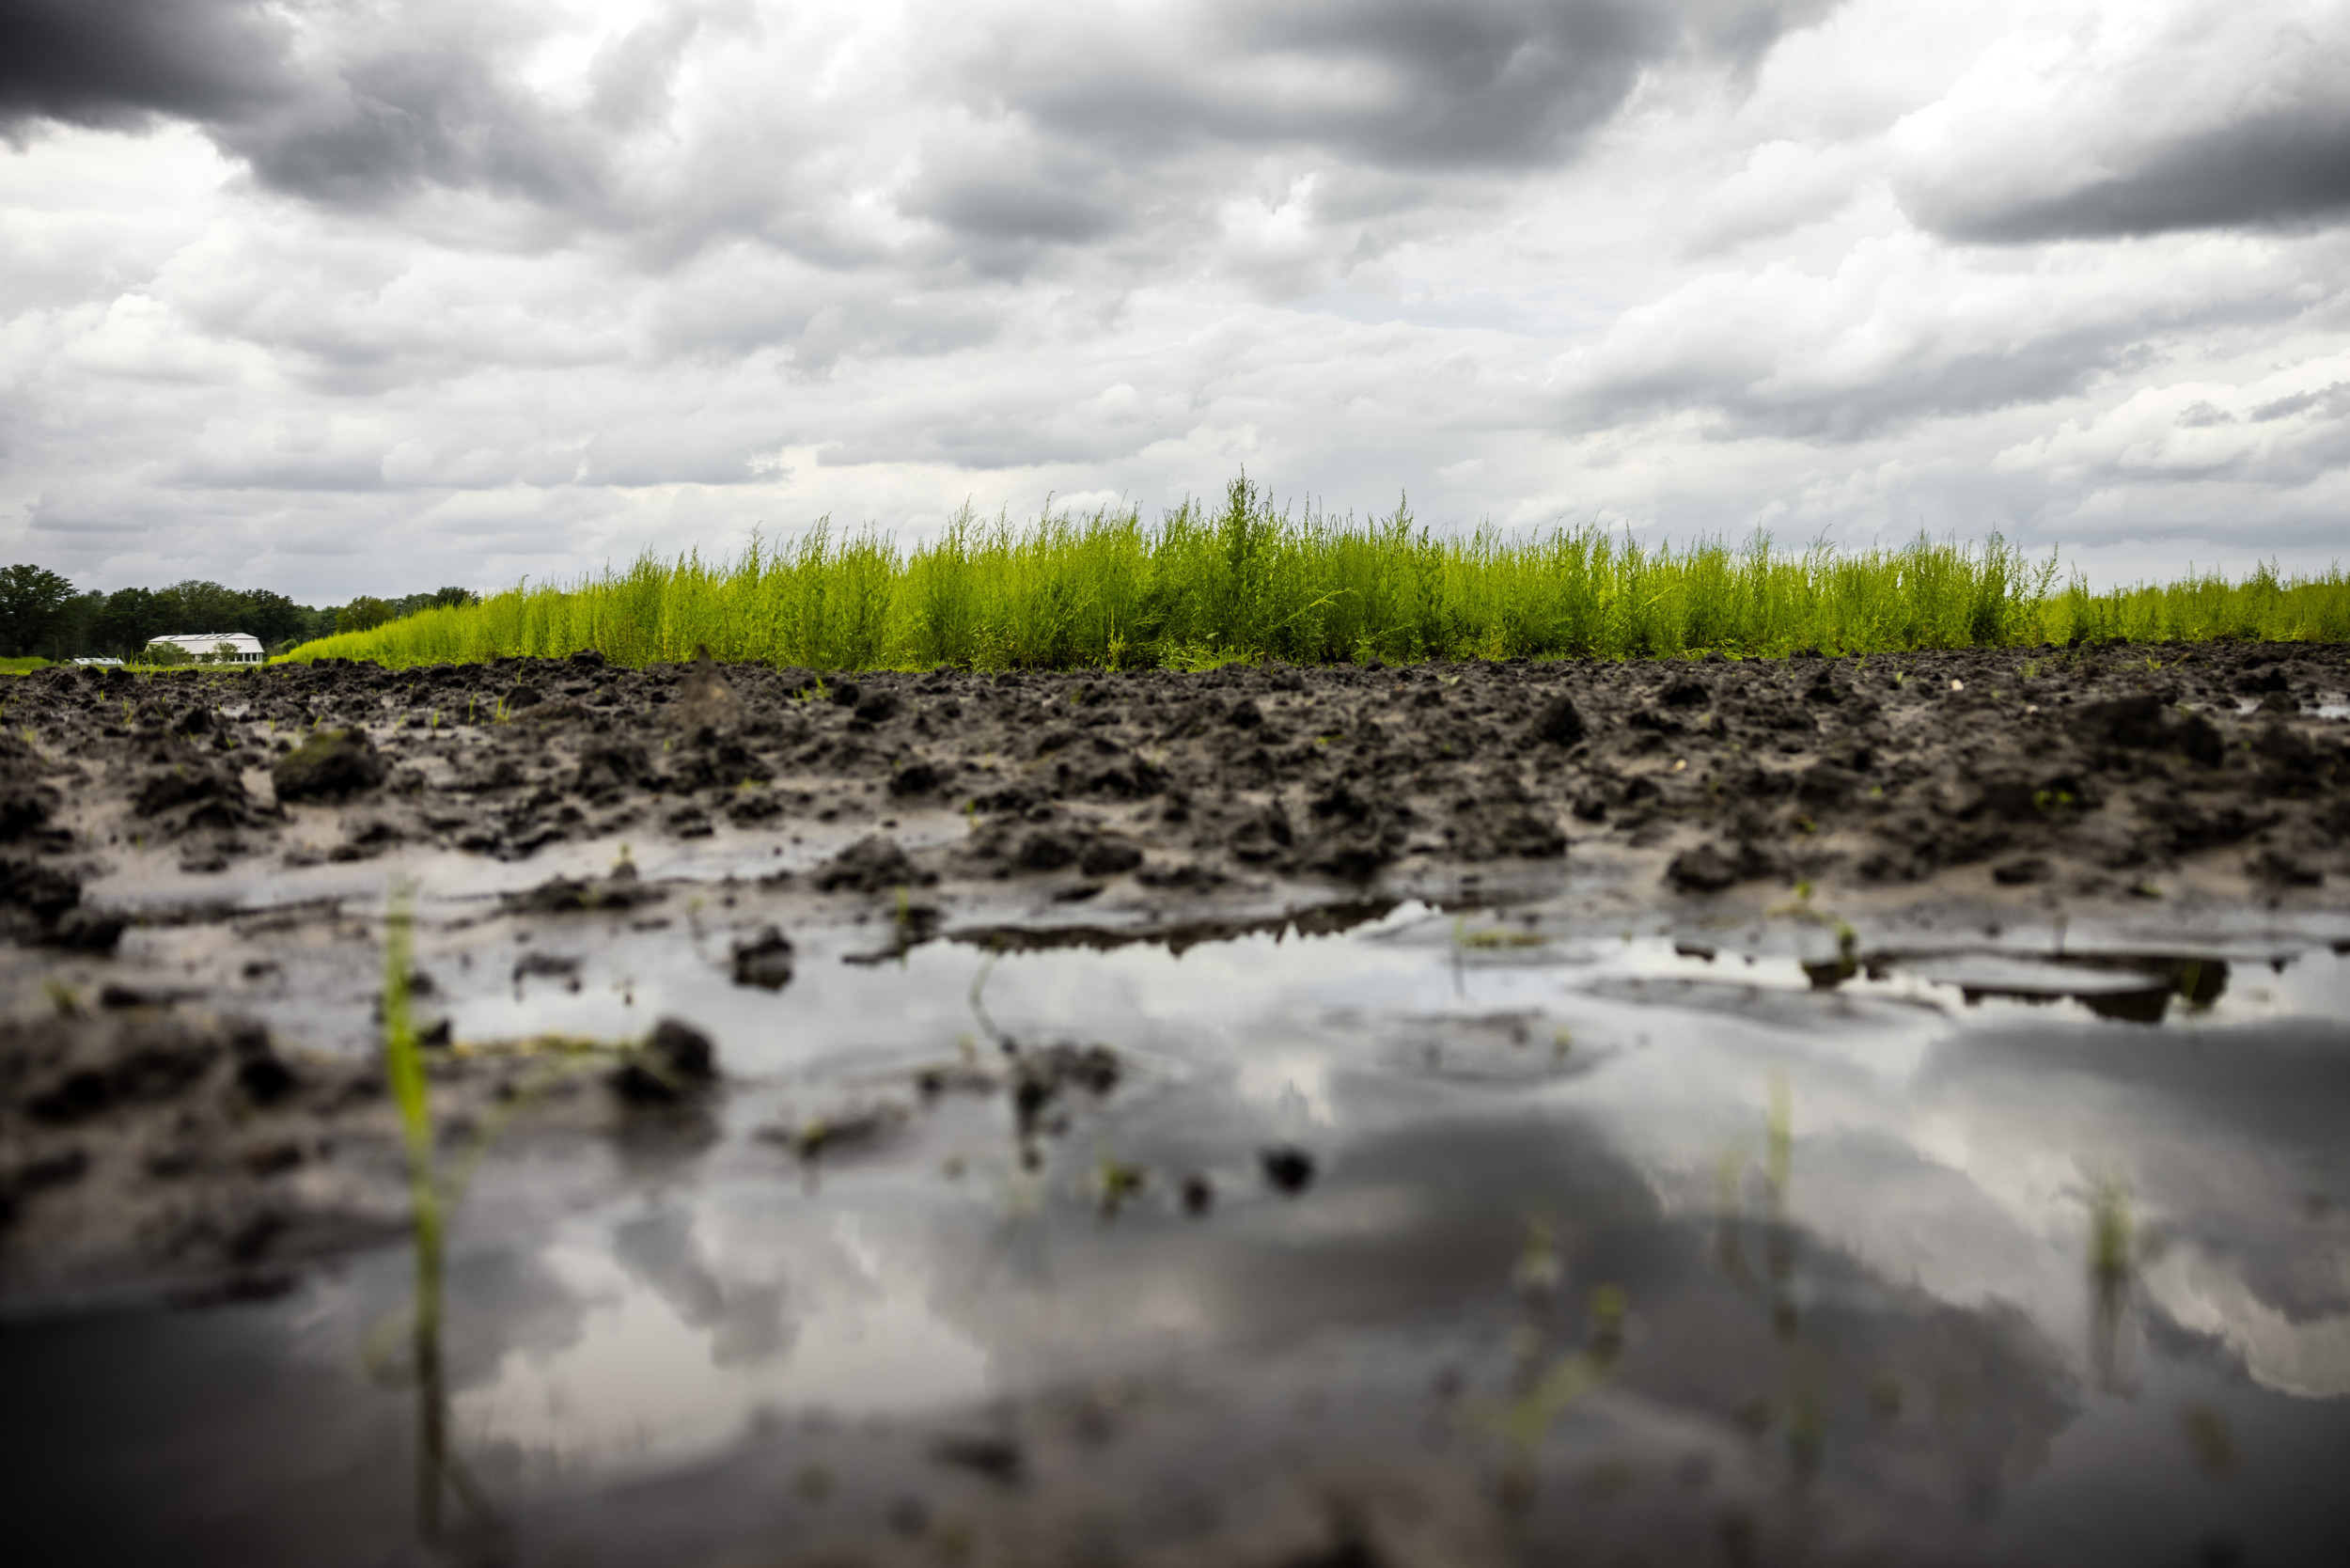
(362, 614)
(121, 624)
(448, 598)
(32, 599)
(1241, 580)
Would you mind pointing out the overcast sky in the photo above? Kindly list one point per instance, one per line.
(342, 296)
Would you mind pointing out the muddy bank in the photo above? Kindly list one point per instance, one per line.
(2088, 773)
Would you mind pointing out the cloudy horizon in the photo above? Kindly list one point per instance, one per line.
(336, 297)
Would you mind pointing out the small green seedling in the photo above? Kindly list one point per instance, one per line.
(1538, 1270)
(1116, 1182)
(1781, 1159)
(1492, 937)
(2112, 1233)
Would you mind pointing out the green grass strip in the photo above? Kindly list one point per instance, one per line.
(1205, 587)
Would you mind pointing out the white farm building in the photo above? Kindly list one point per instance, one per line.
(207, 647)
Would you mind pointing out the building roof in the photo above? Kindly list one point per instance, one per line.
(243, 646)
(204, 642)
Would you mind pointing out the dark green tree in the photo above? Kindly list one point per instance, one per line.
(271, 617)
(77, 625)
(31, 600)
(128, 618)
(197, 607)
(448, 598)
(362, 614)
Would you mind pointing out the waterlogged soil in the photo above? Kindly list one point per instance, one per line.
(1818, 1111)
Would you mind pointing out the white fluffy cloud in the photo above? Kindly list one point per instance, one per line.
(340, 296)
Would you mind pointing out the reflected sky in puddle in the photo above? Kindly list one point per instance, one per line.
(1886, 1282)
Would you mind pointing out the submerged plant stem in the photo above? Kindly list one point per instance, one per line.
(403, 1069)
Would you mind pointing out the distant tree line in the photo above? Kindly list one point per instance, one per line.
(41, 614)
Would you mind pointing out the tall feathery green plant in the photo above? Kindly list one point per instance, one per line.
(1246, 581)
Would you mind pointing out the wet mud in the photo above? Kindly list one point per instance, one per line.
(1455, 1114)
(2090, 771)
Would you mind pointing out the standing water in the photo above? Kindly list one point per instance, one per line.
(1390, 1234)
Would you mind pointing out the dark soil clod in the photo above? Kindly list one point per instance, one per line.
(622, 890)
(1702, 869)
(997, 1459)
(871, 865)
(1198, 1195)
(1559, 722)
(1109, 857)
(332, 763)
(764, 961)
(674, 1061)
(1288, 1169)
(1047, 851)
(914, 778)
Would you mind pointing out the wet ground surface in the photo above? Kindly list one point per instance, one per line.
(1417, 1187)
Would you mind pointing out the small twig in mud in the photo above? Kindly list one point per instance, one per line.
(979, 1008)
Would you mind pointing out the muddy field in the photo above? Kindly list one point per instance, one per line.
(2086, 773)
(1259, 1002)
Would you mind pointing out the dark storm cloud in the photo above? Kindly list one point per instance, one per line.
(435, 113)
(115, 62)
(1421, 89)
(339, 105)
(1482, 83)
(1399, 83)
(433, 100)
(1078, 128)
(2285, 167)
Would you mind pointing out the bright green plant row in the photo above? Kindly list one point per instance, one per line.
(1243, 582)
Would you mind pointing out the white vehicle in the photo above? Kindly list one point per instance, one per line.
(214, 647)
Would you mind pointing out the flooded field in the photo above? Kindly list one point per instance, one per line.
(1386, 1234)
(1821, 1112)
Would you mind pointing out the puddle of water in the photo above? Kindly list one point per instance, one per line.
(144, 881)
(1980, 1250)
(2245, 707)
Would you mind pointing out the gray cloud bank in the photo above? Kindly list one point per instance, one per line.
(2282, 167)
(2211, 120)
(118, 62)
(520, 285)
